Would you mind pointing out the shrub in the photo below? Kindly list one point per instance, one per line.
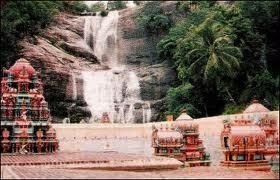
(233, 109)
(104, 13)
(79, 7)
(116, 5)
(152, 19)
(97, 7)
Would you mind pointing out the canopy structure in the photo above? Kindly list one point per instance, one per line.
(255, 107)
(184, 116)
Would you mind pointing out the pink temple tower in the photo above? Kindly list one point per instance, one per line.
(25, 117)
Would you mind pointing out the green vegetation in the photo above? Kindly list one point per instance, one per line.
(224, 56)
(152, 18)
(116, 5)
(76, 118)
(23, 18)
(27, 18)
(104, 13)
(97, 7)
(79, 7)
(137, 2)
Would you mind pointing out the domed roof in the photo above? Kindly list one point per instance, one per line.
(20, 65)
(184, 116)
(254, 107)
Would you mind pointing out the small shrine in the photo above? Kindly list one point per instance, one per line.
(192, 149)
(105, 118)
(25, 118)
(180, 141)
(256, 107)
(167, 142)
(243, 145)
(268, 123)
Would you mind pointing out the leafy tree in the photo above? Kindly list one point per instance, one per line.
(209, 47)
(104, 13)
(79, 7)
(240, 66)
(22, 18)
(264, 87)
(152, 19)
(168, 44)
(97, 7)
(265, 21)
(179, 98)
(116, 5)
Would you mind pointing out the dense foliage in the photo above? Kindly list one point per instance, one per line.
(116, 5)
(22, 18)
(27, 18)
(152, 18)
(99, 6)
(224, 56)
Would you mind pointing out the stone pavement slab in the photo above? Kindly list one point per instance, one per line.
(42, 172)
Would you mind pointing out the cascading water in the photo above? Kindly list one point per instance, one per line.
(74, 97)
(115, 91)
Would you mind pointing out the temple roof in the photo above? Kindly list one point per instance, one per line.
(169, 134)
(184, 116)
(22, 64)
(255, 107)
(248, 131)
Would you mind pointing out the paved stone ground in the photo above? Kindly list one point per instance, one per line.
(68, 158)
(26, 172)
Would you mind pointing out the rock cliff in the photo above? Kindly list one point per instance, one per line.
(138, 50)
(60, 53)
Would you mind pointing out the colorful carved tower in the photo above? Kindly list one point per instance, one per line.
(243, 145)
(181, 141)
(192, 149)
(167, 142)
(25, 119)
(269, 124)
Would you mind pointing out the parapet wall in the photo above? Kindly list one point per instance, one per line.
(136, 138)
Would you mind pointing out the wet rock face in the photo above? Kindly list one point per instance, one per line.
(155, 81)
(58, 53)
(138, 50)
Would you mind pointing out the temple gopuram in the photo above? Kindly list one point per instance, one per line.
(181, 141)
(193, 149)
(243, 145)
(25, 118)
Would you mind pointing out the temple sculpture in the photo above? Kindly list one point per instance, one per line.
(180, 141)
(105, 118)
(268, 123)
(243, 145)
(193, 149)
(167, 142)
(25, 118)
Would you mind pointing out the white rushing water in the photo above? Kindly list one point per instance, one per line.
(115, 91)
(74, 97)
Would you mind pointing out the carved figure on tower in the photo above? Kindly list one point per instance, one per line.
(24, 111)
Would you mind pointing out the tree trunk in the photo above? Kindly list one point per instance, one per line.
(231, 98)
(205, 108)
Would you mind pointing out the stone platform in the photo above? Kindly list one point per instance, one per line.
(92, 160)
(44, 172)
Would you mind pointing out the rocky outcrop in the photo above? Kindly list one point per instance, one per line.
(138, 50)
(59, 53)
(155, 81)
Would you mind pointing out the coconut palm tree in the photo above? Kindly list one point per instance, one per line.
(209, 47)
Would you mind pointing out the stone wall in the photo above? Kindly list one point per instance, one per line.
(136, 138)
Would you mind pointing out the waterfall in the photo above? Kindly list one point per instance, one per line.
(74, 86)
(116, 90)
